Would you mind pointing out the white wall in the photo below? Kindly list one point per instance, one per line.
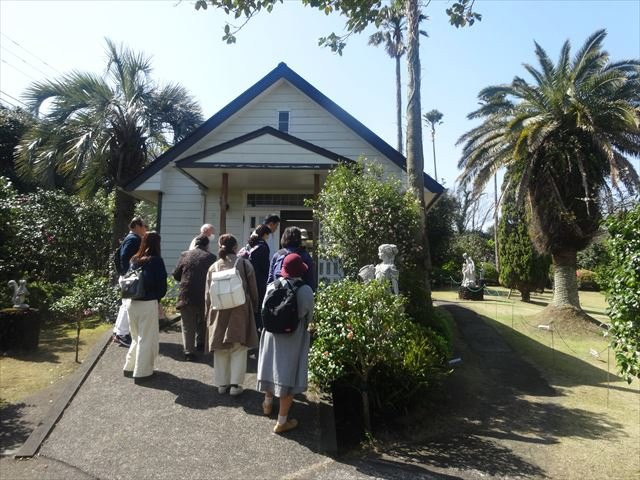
(181, 215)
(183, 202)
(307, 121)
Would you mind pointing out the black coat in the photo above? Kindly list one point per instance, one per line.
(154, 278)
(191, 272)
(259, 258)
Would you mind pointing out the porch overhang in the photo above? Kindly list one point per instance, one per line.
(262, 177)
(265, 158)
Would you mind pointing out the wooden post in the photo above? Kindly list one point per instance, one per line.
(224, 194)
(316, 226)
(159, 212)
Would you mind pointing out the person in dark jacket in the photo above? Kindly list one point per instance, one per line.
(292, 243)
(191, 272)
(259, 255)
(143, 313)
(128, 248)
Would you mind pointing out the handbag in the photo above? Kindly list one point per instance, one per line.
(226, 289)
(132, 284)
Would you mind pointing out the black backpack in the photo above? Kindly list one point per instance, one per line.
(280, 310)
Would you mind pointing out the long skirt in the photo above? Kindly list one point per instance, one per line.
(283, 362)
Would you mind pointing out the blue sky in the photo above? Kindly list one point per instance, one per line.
(186, 47)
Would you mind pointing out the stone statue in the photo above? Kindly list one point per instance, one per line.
(387, 270)
(19, 293)
(468, 272)
(367, 273)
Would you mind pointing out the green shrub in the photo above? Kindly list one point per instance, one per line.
(90, 294)
(489, 273)
(587, 280)
(441, 219)
(521, 266)
(622, 284)
(170, 300)
(42, 295)
(479, 245)
(51, 235)
(360, 209)
(364, 338)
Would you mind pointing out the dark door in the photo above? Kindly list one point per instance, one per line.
(302, 219)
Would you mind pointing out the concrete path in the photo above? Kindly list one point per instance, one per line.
(177, 426)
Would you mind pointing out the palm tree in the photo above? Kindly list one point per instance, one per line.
(568, 132)
(100, 131)
(431, 119)
(391, 35)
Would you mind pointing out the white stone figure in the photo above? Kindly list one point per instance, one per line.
(19, 293)
(468, 272)
(367, 273)
(387, 270)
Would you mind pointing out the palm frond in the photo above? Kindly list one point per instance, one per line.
(591, 45)
(545, 61)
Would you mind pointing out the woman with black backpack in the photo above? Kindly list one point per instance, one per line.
(284, 357)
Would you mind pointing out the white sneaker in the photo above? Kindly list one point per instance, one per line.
(222, 389)
(236, 390)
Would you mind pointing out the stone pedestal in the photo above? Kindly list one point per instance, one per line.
(466, 293)
(19, 329)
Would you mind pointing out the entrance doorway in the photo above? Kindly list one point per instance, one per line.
(253, 218)
(303, 219)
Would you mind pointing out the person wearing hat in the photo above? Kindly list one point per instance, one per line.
(283, 361)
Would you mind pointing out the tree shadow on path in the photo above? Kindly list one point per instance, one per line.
(488, 412)
(13, 429)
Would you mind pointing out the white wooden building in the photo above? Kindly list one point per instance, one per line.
(265, 152)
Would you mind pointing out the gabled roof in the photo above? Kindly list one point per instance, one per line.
(191, 160)
(282, 71)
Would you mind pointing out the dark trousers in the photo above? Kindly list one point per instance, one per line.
(193, 327)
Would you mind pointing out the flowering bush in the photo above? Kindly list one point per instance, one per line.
(359, 210)
(89, 295)
(50, 236)
(362, 331)
(587, 280)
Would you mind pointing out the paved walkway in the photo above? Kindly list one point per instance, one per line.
(177, 426)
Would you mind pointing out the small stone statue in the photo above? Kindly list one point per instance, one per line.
(19, 293)
(387, 270)
(468, 272)
(367, 273)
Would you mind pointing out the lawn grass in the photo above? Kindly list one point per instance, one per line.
(581, 368)
(25, 373)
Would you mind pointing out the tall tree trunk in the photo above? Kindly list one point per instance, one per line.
(565, 283)
(415, 156)
(399, 104)
(433, 143)
(124, 210)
